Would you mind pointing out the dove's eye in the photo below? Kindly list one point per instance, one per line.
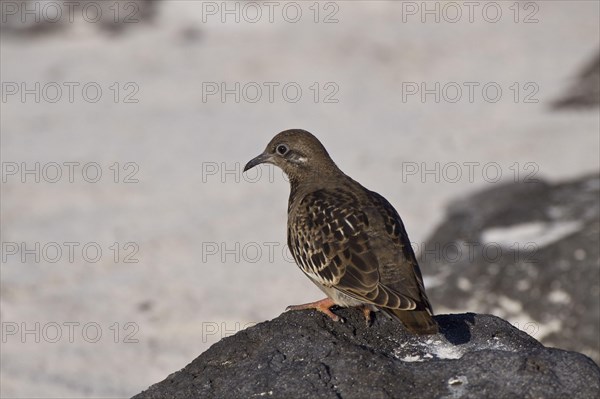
(282, 149)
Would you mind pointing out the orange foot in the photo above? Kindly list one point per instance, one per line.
(367, 312)
(322, 306)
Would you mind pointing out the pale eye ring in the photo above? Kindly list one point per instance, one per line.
(282, 149)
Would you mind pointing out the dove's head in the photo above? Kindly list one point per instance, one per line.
(299, 154)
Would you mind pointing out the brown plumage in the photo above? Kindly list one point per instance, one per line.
(348, 240)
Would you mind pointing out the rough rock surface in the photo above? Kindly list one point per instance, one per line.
(527, 252)
(306, 355)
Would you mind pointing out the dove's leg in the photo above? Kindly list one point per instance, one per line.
(322, 306)
(367, 312)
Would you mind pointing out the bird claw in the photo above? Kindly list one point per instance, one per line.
(368, 316)
(335, 318)
(320, 306)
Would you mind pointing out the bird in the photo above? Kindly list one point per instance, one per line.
(346, 239)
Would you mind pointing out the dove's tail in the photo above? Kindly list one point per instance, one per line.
(418, 322)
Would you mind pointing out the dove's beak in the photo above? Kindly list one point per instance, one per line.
(262, 158)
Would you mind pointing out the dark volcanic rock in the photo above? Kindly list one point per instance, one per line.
(31, 17)
(527, 252)
(306, 355)
(585, 90)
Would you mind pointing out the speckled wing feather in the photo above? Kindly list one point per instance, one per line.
(336, 238)
(404, 256)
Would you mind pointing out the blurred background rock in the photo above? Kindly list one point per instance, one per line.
(527, 252)
(201, 247)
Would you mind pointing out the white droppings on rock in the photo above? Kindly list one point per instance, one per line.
(496, 344)
(457, 386)
(442, 350)
(447, 351)
(269, 393)
(434, 349)
(411, 359)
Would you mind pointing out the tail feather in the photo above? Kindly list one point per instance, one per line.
(418, 322)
